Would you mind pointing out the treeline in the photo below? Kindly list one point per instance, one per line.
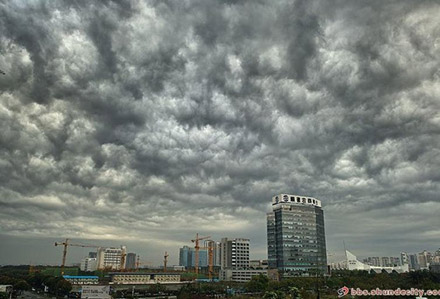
(21, 280)
(327, 287)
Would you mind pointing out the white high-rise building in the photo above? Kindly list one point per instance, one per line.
(89, 264)
(112, 258)
(234, 253)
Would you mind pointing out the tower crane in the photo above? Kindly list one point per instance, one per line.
(211, 259)
(165, 260)
(140, 263)
(66, 244)
(197, 248)
(122, 264)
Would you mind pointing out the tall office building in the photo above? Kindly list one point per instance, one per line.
(187, 257)
(404, 258)
(111, 258)
(424, 258)
(184, 256)
(234, 253)
(296, 236)
(413, 262)
(130, 261)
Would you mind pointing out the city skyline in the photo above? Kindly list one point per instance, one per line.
(142, 123)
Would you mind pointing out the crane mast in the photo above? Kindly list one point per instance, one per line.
(165, 260)
(197, 248)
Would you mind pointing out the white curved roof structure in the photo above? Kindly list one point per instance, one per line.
(354, 264)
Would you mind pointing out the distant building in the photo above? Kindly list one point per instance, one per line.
(258, 264)
(143, 278)
(184, 256)
(296, 236)
(373, 261)
(384, 261)
(93, 254)
(130, 261)
(404, 258)
(187, 257)
(234, 253)
(341, 265)
(89, 264)
(423, 259)
(413, 262)
(178, 268)
(240, 275)
(111, 258)
(81, 279)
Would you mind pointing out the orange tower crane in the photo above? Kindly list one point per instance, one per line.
(197, 248)
(211, 259)
(65, 244)
(140, 263)
(122, 264)
(165, 260)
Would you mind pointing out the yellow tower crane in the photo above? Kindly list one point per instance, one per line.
(66, 244)
(197, 248)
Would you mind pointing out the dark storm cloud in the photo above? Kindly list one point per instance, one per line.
(157, 119)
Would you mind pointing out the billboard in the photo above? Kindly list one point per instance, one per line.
(95, 292)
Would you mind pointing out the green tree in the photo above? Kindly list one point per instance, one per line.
(63, 287)
(258, 283)
(21, 285)
(294, 293)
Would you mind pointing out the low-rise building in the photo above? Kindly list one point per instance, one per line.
(6, 289)
(178, 268)
(82, 279)
(240, 275)
(258, 264)
(143, 278)
(89, 264)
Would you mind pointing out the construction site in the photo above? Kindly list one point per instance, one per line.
(203, 260)
(117, 259)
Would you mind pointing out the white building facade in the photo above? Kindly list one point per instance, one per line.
(111, 258)
(234, 253)
(89, 264)
(354, 264)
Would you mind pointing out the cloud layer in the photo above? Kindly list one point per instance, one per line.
(149, 121)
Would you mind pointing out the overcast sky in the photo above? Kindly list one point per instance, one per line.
(144, 122)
